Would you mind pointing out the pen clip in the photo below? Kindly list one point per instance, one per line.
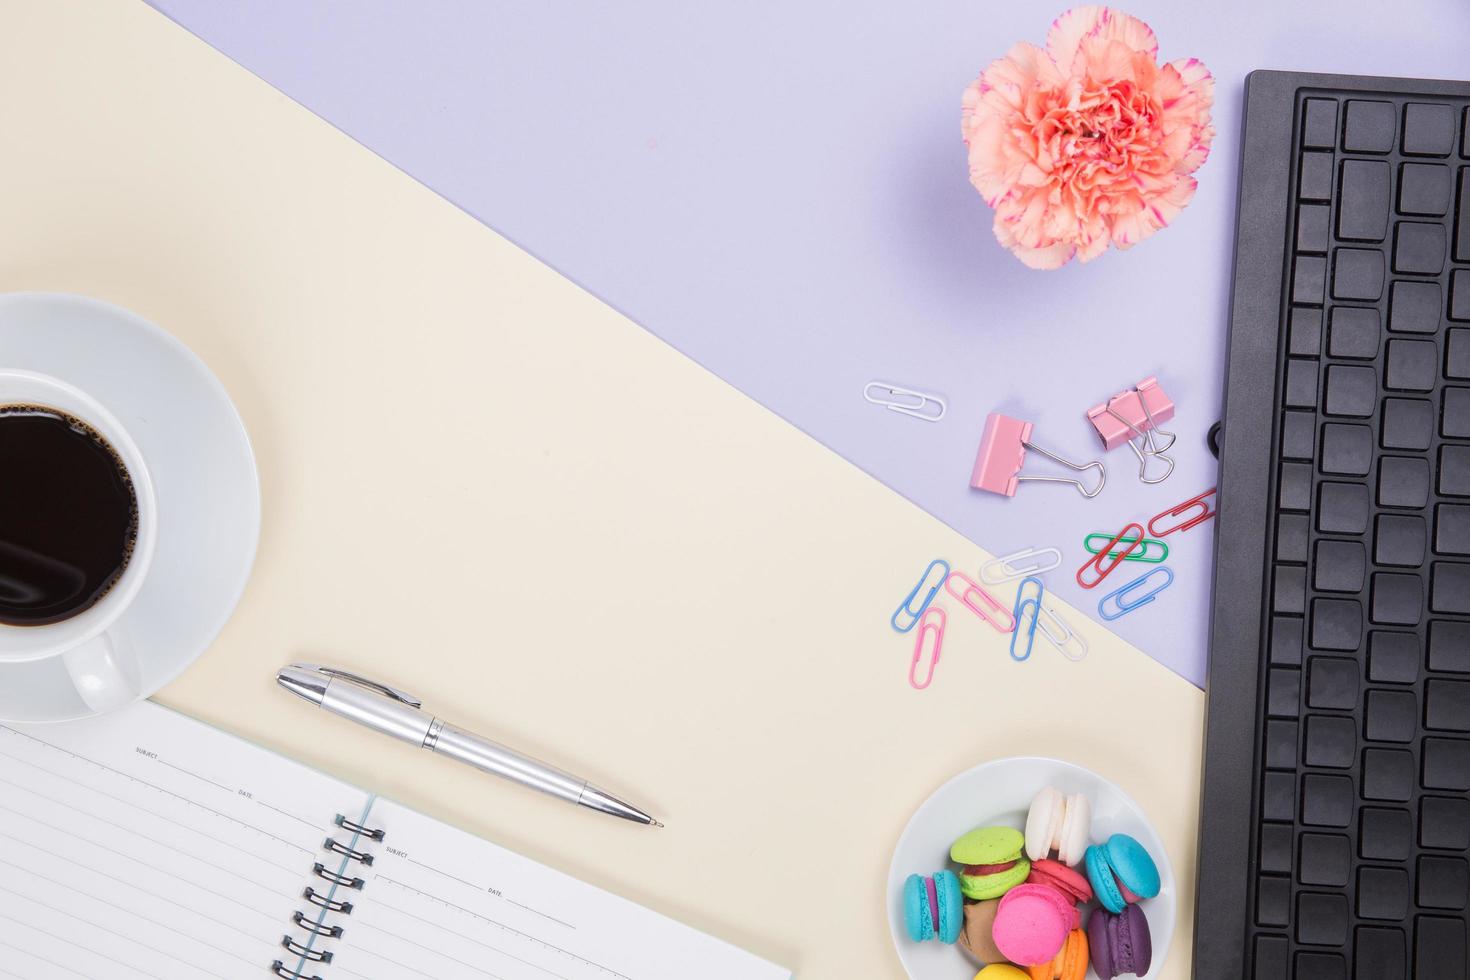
(372, 685)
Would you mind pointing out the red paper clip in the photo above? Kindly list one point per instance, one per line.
(932, 623)
(1206, 511)
(973, 588)
(1135, 531)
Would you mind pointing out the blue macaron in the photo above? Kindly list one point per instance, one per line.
(1121, 871)
(933, 907)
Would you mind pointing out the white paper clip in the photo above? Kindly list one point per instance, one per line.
(1005, 569)
(906, 401)
(1064, 639)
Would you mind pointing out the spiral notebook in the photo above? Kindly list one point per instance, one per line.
(147, 844)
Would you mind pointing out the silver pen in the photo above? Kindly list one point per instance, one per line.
(392, 712)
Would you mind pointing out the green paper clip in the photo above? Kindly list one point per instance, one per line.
(1142, 554)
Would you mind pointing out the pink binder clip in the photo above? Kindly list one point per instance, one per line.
(1003, 451)
(1137, 413)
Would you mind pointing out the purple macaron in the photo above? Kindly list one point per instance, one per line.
(1120, 944)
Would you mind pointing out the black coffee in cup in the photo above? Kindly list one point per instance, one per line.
(68, 516)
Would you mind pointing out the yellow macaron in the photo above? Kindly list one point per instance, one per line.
(1000, 971)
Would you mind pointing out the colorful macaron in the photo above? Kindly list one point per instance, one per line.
(978, 937)
(993, 861)
(1032, 923)
(1002, 971)
(1120, 944)
(1060, 877)
(1057, 823)
(1121, 872)
(1069, 964)
(932, 907)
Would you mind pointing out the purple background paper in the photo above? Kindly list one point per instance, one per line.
(779, 190)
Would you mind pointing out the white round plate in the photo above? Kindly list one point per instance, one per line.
(203, 473)
(1000, 793)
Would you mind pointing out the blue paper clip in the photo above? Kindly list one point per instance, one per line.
(1023, 601)
(1120, 596)
(907, 606)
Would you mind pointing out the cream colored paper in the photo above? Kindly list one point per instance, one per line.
(491, 489)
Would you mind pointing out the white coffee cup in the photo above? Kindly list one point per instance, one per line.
(99, 658)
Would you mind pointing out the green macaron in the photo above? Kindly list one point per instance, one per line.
(993, 860)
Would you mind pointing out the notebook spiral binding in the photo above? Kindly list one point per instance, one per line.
(312, 924)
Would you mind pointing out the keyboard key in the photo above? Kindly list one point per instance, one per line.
(1392, 716)
(1450, 592)
(1281, 744)
(1298, 435)
(1429, 129)
(1352, 390)
(1309, 283)
(1449, 647)
(1399, 540)
(1327, 801)
(1284, 692)
(1457, 354)
(1295, 492)
(1326, 860)
(1357, 274)
(1363, 200)
(1397, 599)
(1452, 529)
(1383, 893)
(1278, 797)
(1380, 954)
(1393, 658)
(1408, 423)
(1291, 590)
(1342, 508)
(1320, 966)
(1460, 281)
(1369, 127)
(1455, 422)
(1301, 383)
(1413, 365)
(1465, 139)
(1315, 181)
(1444, 822)
(1347, 450)
(1337, 624)
(1332, 682)
(1443, 882)
(1424, 188)
(1314, 228)
(1385, 835)
(1286, 640)
(1418, 248)
(1341, 566)
(1454, 471)
(1354, 332)
(1332, 743)
(1439, 948)
(1388, 774)
(1319, 126)
(1273, 901)
(1276, 849)
(1403, 481)
(1446, 764)
(1447, 705)
(1415, 307)
(1462, 223)
(1292, 533)
(1272, 959)
(1321, 920)
(1306, 332)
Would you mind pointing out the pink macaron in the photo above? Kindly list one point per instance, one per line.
(1032, 923)
(1062, 878)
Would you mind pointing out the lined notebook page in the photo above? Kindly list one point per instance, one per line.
(443, 904)
(146, 844)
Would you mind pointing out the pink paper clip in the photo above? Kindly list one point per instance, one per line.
(1130, 539)
(1003, 447)
(932, 624)
(1138, 413)
(1206, 510)
(973, 588)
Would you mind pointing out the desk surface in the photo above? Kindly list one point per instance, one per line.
(484, 484)
(779, 190)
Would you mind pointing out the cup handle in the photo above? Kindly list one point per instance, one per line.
(104, 672)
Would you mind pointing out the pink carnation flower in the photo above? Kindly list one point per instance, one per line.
(1089, 143)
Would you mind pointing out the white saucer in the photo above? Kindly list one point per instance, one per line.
(1000, 793)
(203, 472)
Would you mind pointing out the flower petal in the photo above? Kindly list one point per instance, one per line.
(1067, 32)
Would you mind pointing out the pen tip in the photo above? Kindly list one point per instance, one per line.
(657, 824)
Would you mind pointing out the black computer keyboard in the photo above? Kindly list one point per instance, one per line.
(1336, 807)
